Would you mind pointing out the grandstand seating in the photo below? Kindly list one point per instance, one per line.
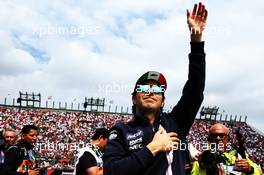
(61, 131)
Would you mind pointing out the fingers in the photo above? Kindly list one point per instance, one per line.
(242, 164)
(188, 14)
(199, 12)
(172, 134)
(175, 139)
(200, 8)
(165, 141)
(194, 10)
(204, 15)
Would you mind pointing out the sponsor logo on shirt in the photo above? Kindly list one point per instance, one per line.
(135, 135)
(135, 140)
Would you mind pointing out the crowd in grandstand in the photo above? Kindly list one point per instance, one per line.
(62, 133)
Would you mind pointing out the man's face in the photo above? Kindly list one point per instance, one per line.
(30, 137)
(10, 137)
(102, 143)
(150, 101)
(219, 137)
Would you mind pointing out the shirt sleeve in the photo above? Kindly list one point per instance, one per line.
(192, 95)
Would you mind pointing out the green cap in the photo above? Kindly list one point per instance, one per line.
(152, 75)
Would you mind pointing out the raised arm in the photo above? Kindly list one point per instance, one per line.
(192, 96)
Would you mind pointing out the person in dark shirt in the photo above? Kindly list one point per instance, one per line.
(20, 159)
(8, 139)
(147, 144)
(89, 159)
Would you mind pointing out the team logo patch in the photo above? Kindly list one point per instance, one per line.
(112, 135)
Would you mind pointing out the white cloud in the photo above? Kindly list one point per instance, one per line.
(124, 39)
(14, 61)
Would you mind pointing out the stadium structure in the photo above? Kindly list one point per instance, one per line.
(64, 130)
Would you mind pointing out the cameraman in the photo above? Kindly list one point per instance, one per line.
(7, 139)
(226, 160)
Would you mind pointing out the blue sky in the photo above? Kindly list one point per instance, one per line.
(72, 49)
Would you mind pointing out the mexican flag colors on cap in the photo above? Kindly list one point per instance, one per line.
(153, 75)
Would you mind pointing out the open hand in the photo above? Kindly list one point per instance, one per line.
(163, 142)
(197, 21)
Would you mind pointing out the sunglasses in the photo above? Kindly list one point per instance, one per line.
(146, 89)
(215, 135)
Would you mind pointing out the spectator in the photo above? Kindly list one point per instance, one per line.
(21, 159)
(10, 136)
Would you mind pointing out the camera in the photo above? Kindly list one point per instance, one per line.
(210, 160)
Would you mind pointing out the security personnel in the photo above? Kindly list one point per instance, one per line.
(147, 145)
